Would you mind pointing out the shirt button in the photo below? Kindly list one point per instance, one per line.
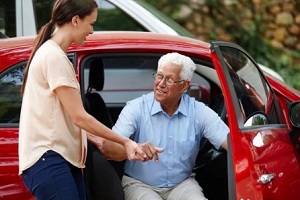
(170, 137)
(170, 153)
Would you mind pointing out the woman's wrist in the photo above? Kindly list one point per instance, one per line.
(125, 141)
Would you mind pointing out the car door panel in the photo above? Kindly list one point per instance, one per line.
(266, 164)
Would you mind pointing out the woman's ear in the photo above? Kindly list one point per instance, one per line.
(75, 20)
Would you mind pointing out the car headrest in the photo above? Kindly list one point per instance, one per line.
(195, 91)
(96, 75)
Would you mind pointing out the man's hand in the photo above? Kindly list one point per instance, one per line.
(97, 141)
(151, 151)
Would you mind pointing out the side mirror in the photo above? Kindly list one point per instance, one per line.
(295, 114)
(257, 119)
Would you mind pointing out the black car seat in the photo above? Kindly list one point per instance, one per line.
(94, 103)
(102, 181)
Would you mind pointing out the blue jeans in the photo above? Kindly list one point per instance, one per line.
(52, 177)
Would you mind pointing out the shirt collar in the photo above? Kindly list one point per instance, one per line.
(156, 108)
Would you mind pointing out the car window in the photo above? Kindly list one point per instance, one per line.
(251, 90)
(10, 97)
(7, 17)
(42, 12)
(10, 88)
(126, 77)
(111, 17)
(129, 76)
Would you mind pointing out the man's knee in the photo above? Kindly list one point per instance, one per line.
(136, 190)
(188, 190)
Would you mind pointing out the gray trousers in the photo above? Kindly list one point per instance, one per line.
(189, 189)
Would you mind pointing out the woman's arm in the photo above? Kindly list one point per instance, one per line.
(71, 101)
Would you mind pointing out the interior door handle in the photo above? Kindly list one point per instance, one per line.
(266, 178)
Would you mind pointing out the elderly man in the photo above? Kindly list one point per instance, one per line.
(170, 119)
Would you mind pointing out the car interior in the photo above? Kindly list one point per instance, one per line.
(109, 81)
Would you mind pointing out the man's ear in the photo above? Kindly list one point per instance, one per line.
(185, 86)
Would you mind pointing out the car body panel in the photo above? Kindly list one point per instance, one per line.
(275, 154)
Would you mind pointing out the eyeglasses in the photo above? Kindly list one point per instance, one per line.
(169, 80)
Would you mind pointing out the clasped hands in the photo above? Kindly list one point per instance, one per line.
(151, 151)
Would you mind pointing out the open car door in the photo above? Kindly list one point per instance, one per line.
(262, 161)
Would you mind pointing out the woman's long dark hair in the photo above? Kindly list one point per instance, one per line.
(63, 11)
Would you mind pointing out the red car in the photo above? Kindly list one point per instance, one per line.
(263, 114)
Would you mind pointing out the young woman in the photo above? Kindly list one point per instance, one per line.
(52, 138)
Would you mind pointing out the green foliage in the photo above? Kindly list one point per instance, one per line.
(169, 7)
(244, 22)
(249, 35)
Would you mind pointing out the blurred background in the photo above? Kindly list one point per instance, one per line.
(268, 29)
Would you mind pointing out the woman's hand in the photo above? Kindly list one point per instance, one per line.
(133, 151)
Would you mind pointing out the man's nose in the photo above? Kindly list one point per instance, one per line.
(162, 81)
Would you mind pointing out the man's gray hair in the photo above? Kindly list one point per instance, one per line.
(188, 66)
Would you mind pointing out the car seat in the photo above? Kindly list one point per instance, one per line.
(102, 181)
(94, 103)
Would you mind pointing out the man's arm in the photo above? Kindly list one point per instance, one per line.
(224, 145)
(110, 150)
(114, 151)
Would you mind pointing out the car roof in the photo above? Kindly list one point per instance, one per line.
(117, 36)
(133, 39)
(20, 47)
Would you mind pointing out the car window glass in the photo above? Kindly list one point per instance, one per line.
(125, 77)
(10, 88)
(10, 97)
(129, 76)
(111, 17)
(2, 18)
(7, 17)
(42, 12)
(252, 91)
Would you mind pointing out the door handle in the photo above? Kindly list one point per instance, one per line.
(266, 178)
